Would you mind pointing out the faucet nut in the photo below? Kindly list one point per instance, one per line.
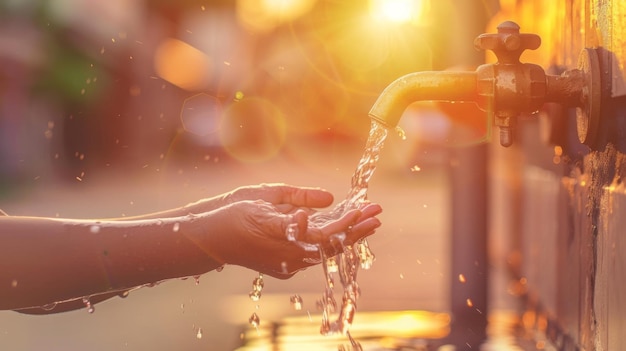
(508, 44)
(512, 42)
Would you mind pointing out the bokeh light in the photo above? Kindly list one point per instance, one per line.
(200, 114)
(182, 64)
(253, 130)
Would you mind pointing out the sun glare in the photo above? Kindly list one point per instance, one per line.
(398, 11)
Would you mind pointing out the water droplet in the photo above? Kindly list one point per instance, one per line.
(255, 295)
(176, 227)
(296, 302)
(401, 133)
(283, 267)
(14, 283)
(219, 269)
(94, 229)
(292, 231)
(124, 294)
(462, 278)
(469, 302)
(257, 283)
(199, 334)
(331, 265)
(196, 278)
(254, 320)
(88, 304)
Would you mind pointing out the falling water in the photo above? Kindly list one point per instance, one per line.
(353, 257)
(255, 295)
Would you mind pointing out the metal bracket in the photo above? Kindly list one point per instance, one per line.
(588, 115)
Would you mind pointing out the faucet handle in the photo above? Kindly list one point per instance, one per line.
(508, 44)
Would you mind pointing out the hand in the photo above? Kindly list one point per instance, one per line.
(253, 234)
(286, 197)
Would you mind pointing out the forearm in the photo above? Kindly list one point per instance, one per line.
(50, 260)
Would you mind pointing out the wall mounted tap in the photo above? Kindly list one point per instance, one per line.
(504, 89)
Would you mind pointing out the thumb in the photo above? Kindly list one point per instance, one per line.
(296, 225)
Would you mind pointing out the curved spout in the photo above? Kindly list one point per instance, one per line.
(422, 86)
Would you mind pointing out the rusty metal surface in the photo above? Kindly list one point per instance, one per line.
(610, 305)
(607, 20)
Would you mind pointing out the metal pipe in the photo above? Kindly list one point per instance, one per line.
(422, 86)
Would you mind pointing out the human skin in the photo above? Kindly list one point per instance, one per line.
(56, 261)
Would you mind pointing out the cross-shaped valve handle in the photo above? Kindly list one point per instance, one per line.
(508, 44)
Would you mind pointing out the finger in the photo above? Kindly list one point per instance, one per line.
(370, 210)
(286, 208)
(297, 196)
(331, 229)
(361, 230)
(340, 225)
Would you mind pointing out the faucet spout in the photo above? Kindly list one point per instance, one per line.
(422, 86)
(504, 89)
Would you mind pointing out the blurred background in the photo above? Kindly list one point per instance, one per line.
(113, 108)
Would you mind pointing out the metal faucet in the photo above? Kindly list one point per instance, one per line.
(504, 89)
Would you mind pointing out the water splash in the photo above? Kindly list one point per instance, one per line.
(353, 257)
(296, 302)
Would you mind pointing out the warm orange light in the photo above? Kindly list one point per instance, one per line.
(264, 15)
(182, 65)
(398, 11)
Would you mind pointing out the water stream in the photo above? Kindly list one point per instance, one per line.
(353, 257)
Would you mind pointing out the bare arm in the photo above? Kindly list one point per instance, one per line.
(50, 260)
(47, 260)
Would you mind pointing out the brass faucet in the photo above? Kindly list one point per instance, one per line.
(504, 89)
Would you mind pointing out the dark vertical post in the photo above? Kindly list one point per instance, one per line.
(469, 271)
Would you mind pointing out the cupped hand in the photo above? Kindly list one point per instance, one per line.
(275, 238)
